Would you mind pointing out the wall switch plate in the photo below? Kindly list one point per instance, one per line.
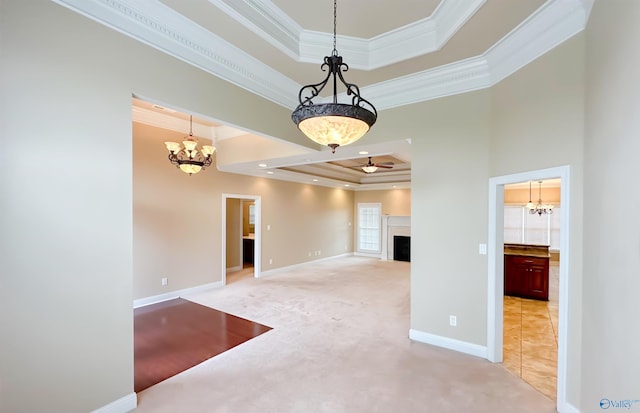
(453, 321)
(165, 281)
(270, 260)
(482, 249)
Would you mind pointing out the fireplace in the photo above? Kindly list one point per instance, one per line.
(393, 226)
(401, 248)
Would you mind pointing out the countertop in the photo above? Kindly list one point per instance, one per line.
(527, 250)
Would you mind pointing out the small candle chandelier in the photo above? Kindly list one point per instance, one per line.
(538, 208)
(333, 124)
(189, 159)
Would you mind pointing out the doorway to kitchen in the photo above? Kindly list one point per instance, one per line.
(495, 301)
(241, 236)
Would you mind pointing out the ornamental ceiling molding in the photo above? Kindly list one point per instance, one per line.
(158, 26)
(421, 37)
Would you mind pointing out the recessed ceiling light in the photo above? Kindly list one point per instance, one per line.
(393, 186)
(363, 153)
(270, 172)
(346, 184)
(315, 180)
(262, 165)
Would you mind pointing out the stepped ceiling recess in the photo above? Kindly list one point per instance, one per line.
(399, 52)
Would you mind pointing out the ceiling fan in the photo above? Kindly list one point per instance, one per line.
(371, 167)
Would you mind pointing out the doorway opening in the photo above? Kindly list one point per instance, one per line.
(495, 324)
(531, 264)
(241, 237)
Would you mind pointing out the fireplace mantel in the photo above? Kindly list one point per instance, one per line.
(393, 225)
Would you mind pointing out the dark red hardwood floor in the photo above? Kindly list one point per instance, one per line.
(175, 335)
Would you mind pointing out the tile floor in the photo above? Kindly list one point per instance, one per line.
(531, 338)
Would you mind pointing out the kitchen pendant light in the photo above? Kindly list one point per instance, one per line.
(333, 124)
(538, 208)
(189, 159)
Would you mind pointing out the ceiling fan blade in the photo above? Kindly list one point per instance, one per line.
(384, 163)
(379, 165)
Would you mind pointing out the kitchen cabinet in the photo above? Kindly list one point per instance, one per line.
(526, 271)
(248, 250)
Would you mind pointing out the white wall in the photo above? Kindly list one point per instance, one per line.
(537, 122)
(177, 219)
(449, 189)
(611, 304)
(66, 182)
(67, 215)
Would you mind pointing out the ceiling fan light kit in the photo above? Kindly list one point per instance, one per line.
(371, 167)
(333, 124)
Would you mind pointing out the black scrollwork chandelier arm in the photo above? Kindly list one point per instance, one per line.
(334, 66)
(333, 124)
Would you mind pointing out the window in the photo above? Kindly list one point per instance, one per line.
(252, 214)
(521, 227)
(369, 231)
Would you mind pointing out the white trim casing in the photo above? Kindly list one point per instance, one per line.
(257, 247)
(122, 405)
(495, 268)
(448, 343)
(569, 408)
(141, 302)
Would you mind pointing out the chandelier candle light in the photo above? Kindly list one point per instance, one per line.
(333, 124)
(538, 208)
(189, 159)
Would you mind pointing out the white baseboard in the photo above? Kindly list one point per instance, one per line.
(141, 302)
(302, 264)
(450, 343)
(569, 408)
(367, 254)
(234, 269)
(122, 405)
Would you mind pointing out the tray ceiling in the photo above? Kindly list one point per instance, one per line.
(398, 52)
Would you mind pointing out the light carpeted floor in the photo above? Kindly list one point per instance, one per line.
(339, 344)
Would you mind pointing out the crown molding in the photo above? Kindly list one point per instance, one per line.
(552, 24)
(546, 28)
(267, 21)
(158, 26)
(421, 37)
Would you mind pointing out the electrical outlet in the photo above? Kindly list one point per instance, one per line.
(453, 321)
(165, 280)
(482, 249)
(270, 260)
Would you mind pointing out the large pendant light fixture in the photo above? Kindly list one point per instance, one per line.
(189, 159)
(538, 208)
(333, 124)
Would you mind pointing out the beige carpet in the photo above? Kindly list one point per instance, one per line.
(339, 344)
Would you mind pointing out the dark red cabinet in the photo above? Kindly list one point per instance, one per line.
(526, 277)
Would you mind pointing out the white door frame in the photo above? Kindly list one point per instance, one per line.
(496, 264)
(257, 248)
